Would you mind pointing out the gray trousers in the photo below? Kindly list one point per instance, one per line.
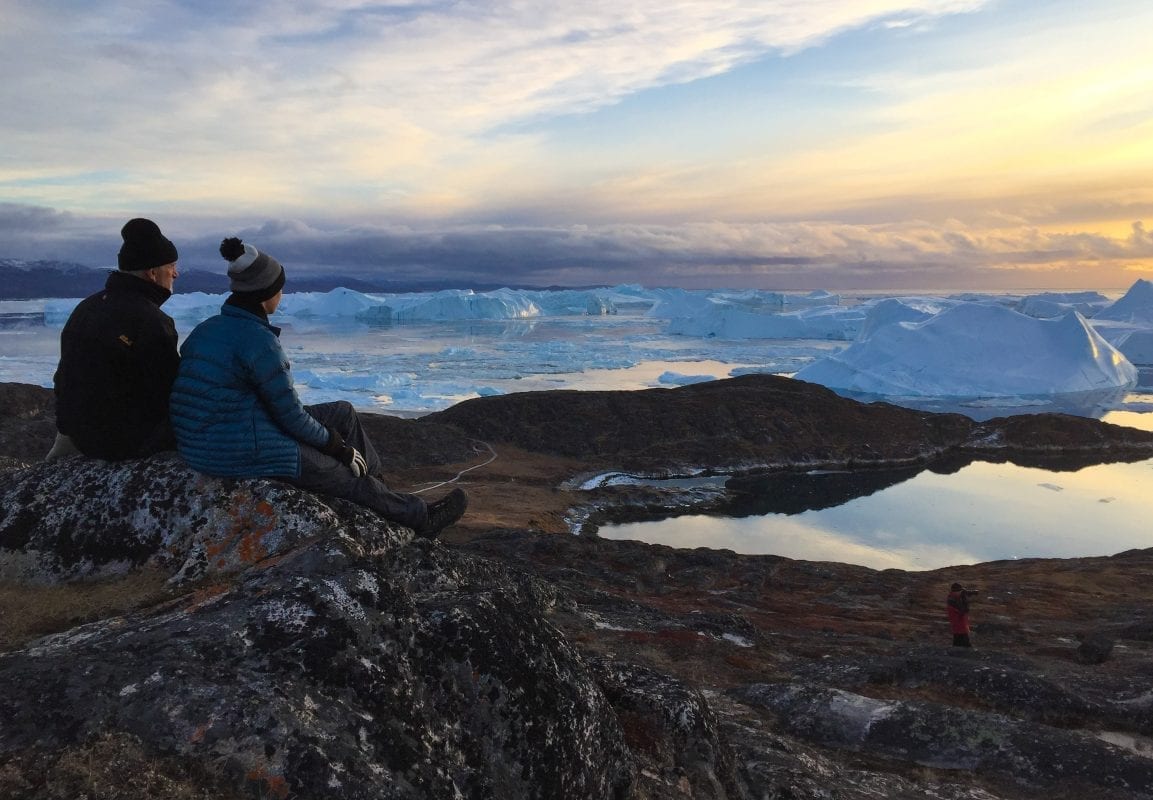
(324, 474)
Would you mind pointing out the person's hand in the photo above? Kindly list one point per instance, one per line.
(355, 462)
(346, 454)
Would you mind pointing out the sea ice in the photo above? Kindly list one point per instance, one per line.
(417, 352)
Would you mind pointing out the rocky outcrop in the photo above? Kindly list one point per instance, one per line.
(752, 421)
(27, 422)
(313, 653)
(85, 518)
(936, 735)
(759, 421)
(302, 647)
(744, 424)
(795, 664)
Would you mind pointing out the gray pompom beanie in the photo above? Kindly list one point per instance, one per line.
(256, 275)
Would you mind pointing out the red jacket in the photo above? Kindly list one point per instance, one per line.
(958, 605)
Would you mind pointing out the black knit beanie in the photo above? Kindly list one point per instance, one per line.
(254, 275)
(144, 246)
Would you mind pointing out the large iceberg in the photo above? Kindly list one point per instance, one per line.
(1135, 308)
(975, 350)
(1135, 344)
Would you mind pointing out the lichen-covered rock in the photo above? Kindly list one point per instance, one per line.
(87, 518)
(672, 732)
(337, 671)
(935, 735)
(1002, 682)
(319, 653)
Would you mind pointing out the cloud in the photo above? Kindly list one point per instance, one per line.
(766, 255)
(839, 141)
(281, 100)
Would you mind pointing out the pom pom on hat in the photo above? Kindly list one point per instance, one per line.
(251, 272)
(145, 247)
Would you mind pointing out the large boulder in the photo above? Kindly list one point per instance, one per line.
(945, 737)
(86, 518)
(316, 652)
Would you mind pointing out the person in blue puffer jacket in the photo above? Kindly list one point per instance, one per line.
(236, 413)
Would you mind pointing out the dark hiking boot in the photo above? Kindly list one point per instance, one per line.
(444, 512)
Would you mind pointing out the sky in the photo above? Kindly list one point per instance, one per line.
(773, 144)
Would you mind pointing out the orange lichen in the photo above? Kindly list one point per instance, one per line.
(243, 541)
(275, 785)
(206, 594)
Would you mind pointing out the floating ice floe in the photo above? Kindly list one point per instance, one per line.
(975, 350)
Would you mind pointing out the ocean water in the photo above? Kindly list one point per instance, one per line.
(925, 520)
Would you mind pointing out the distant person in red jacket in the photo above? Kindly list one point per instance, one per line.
(958, 607)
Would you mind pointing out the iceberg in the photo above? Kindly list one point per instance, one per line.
(1134, 308)
(1055, 304)
(676, 303)
(347, 304)
(464, 304)
(1136, 345)
(974, 350)
(892, 310)
(422, 351)
(339, 303)
(680, 379)
(820, 297)
(569, 302)
(723, 320)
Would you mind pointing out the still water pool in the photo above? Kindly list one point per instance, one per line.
(924, 520)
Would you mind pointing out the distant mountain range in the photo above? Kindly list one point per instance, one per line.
(28, 280)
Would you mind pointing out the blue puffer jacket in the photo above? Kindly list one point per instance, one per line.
(234, 409)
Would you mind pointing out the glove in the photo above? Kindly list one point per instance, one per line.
(345, 454)
(355, 461)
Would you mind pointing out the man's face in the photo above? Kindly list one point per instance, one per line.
(164, 276)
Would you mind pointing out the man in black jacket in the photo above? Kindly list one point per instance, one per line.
(118, 356)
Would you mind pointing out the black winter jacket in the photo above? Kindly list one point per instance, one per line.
(118, 360)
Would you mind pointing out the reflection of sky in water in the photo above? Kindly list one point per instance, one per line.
(984, 512)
